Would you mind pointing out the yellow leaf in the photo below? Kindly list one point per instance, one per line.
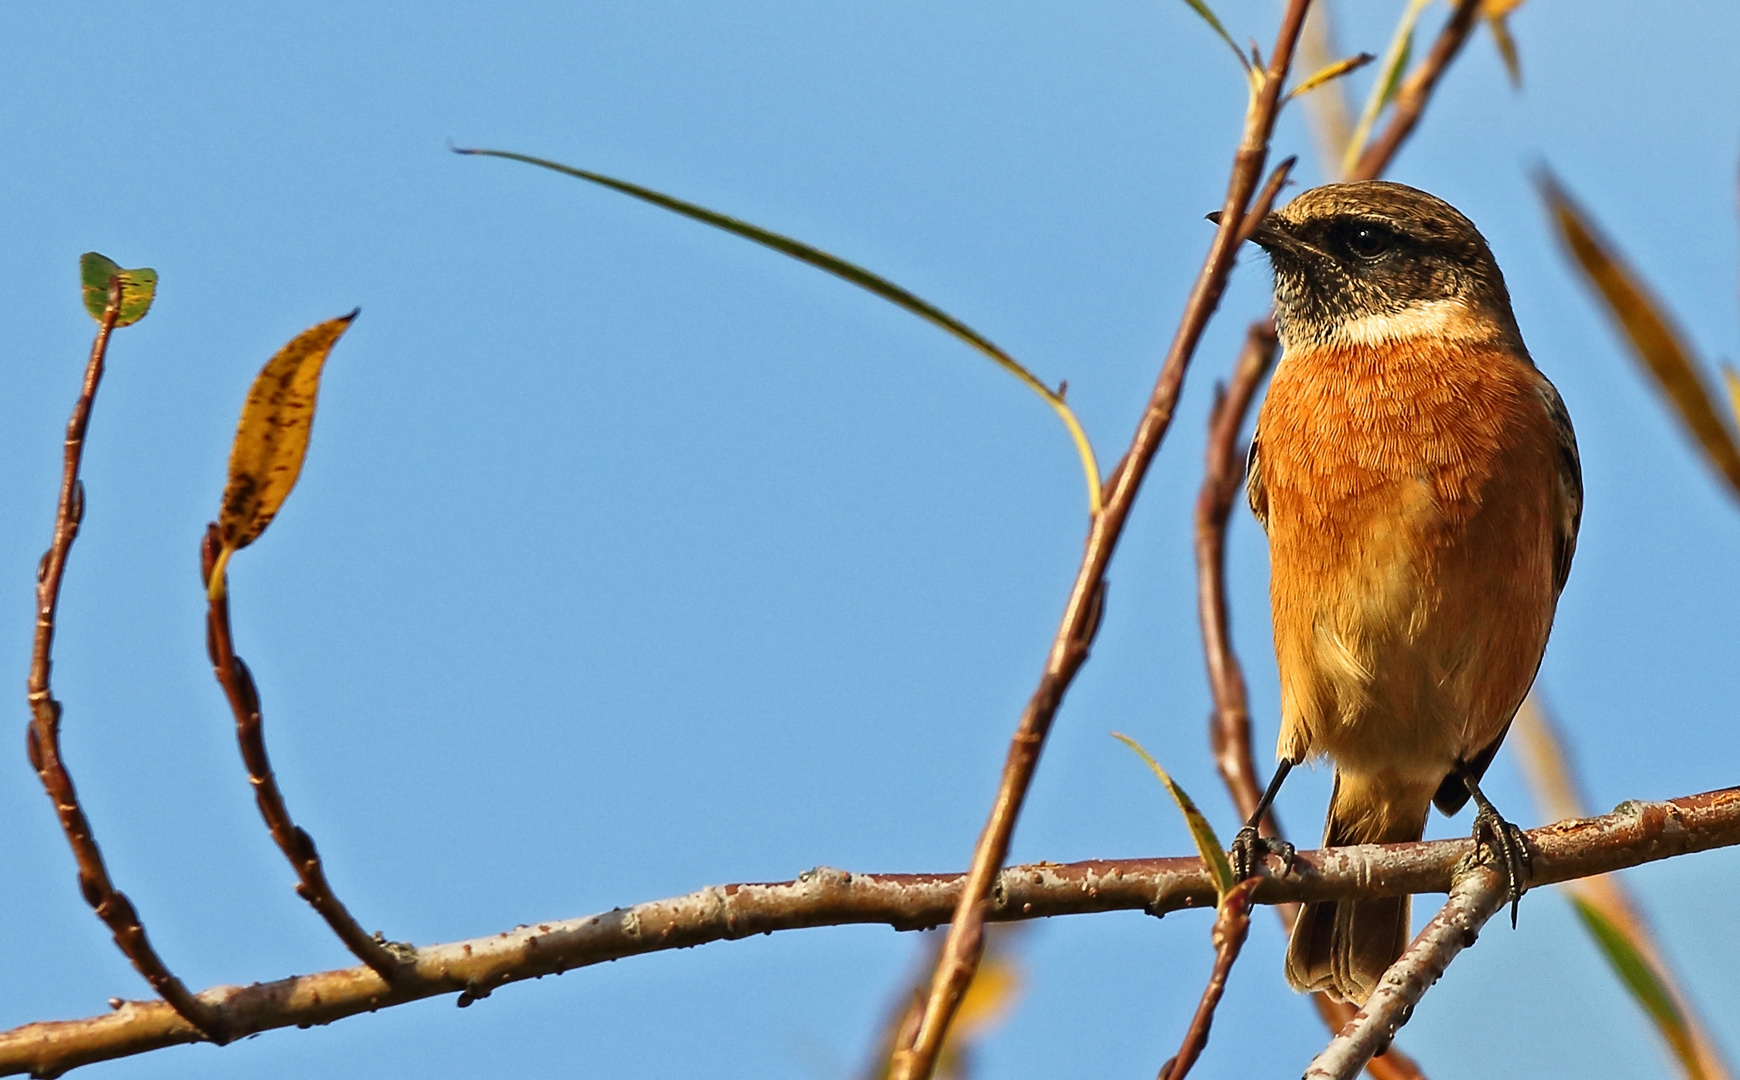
(989, 997)
(1506, 48)
(1331, 71)
(1732, 378)
(1498, 9)
(1647, 328)
(272, 439)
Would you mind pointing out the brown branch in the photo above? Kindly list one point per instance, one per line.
(1232, 923)
(1223, 475)
(1086, 601)
(43, 734)
(238, 682)
(1477, 893)
(1635, 833)
(1416, 91)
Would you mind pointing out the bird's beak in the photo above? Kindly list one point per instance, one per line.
(1273, 237)
(1270, 234)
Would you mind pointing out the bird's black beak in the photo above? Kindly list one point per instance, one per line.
(1269, 234)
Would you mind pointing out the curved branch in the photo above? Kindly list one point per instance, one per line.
(1475, 896)
(1086, 602)
(43, 735)
(386, 958)
(1635, 833)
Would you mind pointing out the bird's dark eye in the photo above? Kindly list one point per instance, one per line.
(1367, 241)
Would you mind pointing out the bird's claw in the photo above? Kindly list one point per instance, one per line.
(1249, 849)
(1503, 846)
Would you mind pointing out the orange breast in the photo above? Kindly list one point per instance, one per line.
(1410, 494)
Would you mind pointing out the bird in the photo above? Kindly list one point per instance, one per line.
(1419, 482)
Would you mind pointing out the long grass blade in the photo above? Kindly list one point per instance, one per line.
(1644, 321)
(851, 272)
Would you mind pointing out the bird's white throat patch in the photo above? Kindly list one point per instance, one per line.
(1442, 320)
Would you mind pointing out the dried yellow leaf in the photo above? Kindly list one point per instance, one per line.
(272, 439)
(1648, 329)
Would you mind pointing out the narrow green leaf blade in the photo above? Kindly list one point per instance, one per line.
(1644, 321)
(1213, 20)
(1207, 843)
(851, 272)
(138, 288)
(1389, 80)
(1644, 983)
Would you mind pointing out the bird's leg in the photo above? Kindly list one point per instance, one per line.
(1248, 848)
(1500, 841)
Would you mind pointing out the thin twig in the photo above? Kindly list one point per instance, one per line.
(1232, 923)
(1223, 474)
(1086, 602)
(1635, 833)
(387, 959)
(1415, 92)
(43, 742)
(1476, 895)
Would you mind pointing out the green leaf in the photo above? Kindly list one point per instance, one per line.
(138, 288)
(1644, 321)
(1207, 843)
(853, 273)
(1644, 982)
(1389, 80)
(1209, 17)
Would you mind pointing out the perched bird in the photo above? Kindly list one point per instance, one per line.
(1419, 482)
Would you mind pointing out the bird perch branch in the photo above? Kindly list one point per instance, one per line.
(1637, 832)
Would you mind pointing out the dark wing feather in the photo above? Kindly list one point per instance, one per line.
(1254, 489)
(1570, 484)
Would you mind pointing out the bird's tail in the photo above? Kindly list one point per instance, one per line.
(1344, 947)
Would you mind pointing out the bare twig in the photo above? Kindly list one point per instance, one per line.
(233, 675)
(1415, 92)
(1232, 922)
(1633, 834)
(43, 742)
(1086, 601)
(1230, 724)
(1476, 894)
(1223, 474)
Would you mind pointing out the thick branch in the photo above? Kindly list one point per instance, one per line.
(1633, 834)
(1086, 601)
(1477, 893)
(43, 734)
(298, 847)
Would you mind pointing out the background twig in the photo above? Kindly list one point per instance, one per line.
(1224, 471)
(1477, 893)
(43, 743)
(1232, 923)
(244, 698)
(1087, 598)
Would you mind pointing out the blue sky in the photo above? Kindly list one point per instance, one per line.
(630, 558)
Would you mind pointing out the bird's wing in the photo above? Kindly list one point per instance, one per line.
(1570, 485)
(1254, 489)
